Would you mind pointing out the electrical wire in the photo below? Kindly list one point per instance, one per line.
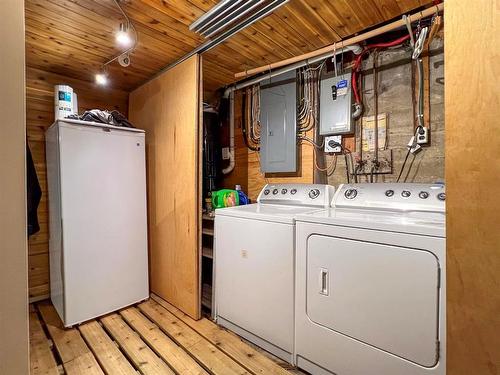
(359, 58)
(308, 89)
(328, 167)
(244, 121)
(304, 138)
(255, 113)
(408, 154)
(346, 153)
(136, 38)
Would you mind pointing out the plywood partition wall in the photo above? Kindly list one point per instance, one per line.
(168, 108)
(473, 186)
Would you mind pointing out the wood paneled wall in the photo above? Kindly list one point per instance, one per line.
(473, 186)
(39, 116)
(257, 179)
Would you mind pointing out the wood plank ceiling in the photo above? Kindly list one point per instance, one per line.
(75, 37)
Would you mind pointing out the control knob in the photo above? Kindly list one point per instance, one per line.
(351, 193)
(293, 191)
(423, 195)
(314, 193)
(405, 193)
(389, 193)
(284, 191)
(442, 196)
(275, 191)
(266, 192)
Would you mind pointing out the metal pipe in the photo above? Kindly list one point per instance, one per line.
(355, 48)
(219, 25)
(230, 167)
(221, 38)
(206, 17)
(420, 69)
(221, 15)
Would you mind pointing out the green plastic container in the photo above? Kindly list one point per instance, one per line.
(225, 198)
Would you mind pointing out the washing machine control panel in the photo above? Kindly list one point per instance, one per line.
(318, 195)
(392, 196)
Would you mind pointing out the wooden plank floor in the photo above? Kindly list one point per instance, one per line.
(150, 338)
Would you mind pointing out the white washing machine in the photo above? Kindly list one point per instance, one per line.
(254, 264)
(370, 282)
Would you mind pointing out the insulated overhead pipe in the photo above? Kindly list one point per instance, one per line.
(356, 39)
(354, 48)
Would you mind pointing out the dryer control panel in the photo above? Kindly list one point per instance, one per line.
(392, 196)
(317, 195)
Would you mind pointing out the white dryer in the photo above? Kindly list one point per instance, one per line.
(254, 264)
(370, 282)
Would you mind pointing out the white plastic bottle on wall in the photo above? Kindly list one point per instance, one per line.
(63, 101)
(75, 104)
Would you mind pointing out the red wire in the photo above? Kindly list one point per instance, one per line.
(357, 62)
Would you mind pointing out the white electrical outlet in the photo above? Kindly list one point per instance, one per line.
(225, 153)
(423, 139)
(333, 148)
(413, 146)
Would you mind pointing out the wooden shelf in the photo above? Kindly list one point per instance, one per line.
(208, 217)
(207, 252)
(206, 297)
(208, 231)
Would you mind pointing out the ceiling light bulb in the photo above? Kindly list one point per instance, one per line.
(101, 79)
(123, 36)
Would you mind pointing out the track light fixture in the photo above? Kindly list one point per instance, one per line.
(126, 37)
(101, 78)
(123, 36)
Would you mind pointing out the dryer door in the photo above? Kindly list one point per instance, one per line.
(381, 295)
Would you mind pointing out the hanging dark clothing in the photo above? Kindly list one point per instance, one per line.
(34, 193)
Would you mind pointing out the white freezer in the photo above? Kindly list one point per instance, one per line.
(98, 223)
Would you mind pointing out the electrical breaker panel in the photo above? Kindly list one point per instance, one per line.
(335, 105)
(278, 111)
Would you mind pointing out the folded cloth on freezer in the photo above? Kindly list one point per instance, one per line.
(114, 118)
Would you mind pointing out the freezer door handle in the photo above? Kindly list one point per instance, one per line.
(323, 281)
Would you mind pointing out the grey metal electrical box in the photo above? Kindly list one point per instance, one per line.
(335, 105)
(278, 109)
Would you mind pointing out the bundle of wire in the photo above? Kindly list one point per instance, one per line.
(250, 115)
(308, 87)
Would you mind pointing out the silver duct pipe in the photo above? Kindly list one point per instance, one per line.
(226, 13)
(205, 18)
(225, 35)
(219, 25)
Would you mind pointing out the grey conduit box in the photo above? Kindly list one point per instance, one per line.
(278, 112)
(335, 105)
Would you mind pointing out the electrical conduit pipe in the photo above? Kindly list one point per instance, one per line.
(358, 105)
(230, 167)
